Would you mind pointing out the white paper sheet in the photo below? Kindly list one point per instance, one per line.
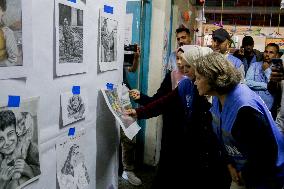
(127, 123)
(16, 40)
(108, 42)
(19, 144)
(73, 107)
(69, 23)
(72, 169)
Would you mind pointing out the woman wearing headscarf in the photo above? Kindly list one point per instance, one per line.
(196, 160)
(250, 139)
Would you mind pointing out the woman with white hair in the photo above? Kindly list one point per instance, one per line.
(250, 139)
(198, 161)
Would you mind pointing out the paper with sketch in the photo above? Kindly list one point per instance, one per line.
(127, 123)
(72, 169)
(19, 155)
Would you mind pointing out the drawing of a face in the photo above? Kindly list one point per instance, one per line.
(8, 140)
(76, 101)
(65, 22)
(77, 157)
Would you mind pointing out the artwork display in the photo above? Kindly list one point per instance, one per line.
(11, 33)
(73, 107)
(108, 42)
(12, 15)
(72, 169)
(69, 38)
(117, 106)
(19, 155)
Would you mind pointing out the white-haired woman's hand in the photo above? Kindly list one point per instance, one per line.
(135, 94)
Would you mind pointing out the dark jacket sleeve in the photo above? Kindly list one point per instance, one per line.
(165, 88)
(255, 137)
(158, 106)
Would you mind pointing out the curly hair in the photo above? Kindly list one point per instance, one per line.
(7, 118)
(221, 74)
(3, 5)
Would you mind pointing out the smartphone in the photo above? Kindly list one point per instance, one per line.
(278, 63)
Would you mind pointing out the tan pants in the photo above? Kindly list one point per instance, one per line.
(236, 186)
(128, 151)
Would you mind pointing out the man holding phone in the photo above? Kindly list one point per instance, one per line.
(247, 54)
(275, 86)
(258, 75)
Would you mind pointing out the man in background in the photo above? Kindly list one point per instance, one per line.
(221, 42)
(247, 54)
(183, 38)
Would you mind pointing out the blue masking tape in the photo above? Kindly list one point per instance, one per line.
(109, 86)
(76, 90)
(71, 131)
(108, 9)
(14, 101)
(73, 1)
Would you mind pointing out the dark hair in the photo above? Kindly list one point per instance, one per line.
(273, 45)
(180, 50)
(247, 40)
(182, 29)
(3, 5)
(7, 118)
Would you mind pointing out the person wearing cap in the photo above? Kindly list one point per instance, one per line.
(247, 54)
(195, 159)
(258, 75)
(221, 42)
(183, 38)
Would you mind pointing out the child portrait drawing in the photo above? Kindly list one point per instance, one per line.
(19, 157)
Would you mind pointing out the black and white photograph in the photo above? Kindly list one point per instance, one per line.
(108, 42)
(19, 154)
(72, 169)
(11, 53)
(73, 107)
(70, 34)
(69, 37)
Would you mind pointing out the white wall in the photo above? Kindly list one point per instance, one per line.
(160, 24)
(103, 134)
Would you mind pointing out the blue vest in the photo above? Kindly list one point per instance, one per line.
(186, 92)
(234, 60)
(223, 122)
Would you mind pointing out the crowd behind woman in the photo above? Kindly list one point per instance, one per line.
(227, 136)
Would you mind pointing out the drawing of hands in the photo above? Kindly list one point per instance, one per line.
(6, 172)
(22, 168)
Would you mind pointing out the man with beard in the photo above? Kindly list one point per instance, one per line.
(247, 54)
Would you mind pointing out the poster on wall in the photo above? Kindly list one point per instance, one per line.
(19, 155)
(73, 107)
(69, 38)
(11, 38)
(72, 168)
(108, 41)
(116, 106)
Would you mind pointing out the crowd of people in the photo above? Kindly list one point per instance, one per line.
(223, 116)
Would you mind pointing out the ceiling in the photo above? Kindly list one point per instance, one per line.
(244, 12)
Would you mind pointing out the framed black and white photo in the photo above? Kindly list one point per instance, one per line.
(73, 107)
(72, 168)
(19, 153)
(15, 59)
(69, 38)
(108, 37)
